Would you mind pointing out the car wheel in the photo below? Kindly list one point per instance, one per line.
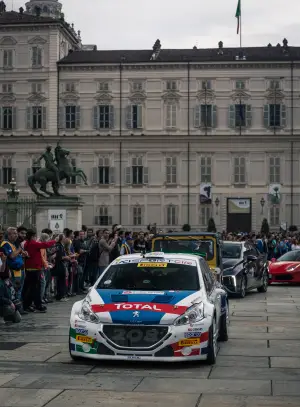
(224, 325)
(75, 358)
(265, 282)
(243, 287)
(212, 344)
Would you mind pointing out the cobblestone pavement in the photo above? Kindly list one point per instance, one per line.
(258, 367)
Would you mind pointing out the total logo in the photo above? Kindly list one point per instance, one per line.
(141, 307)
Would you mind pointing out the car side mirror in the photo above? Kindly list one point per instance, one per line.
(251, 257)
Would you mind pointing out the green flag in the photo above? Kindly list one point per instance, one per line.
(238, 15)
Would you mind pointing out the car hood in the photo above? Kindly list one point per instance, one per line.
(283, 265)
(141, 307)
(228, 263)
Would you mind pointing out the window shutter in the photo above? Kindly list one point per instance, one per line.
(44, 119)
(197, 116)
(95, 175)
(96, 117)
(128, 175)
(29, 117)
(14, 117)
(231, 116)
(129, 117)
(112, 175)
(110, 218)
(1, 121)
(14, 174)
(168, 115)
(111, 117)
(28, 173)
(283, 115)
(1, 180)
(214, 116)
(77, 117)
(267, 116)
(139, 116)
(145, 175)
(62, 117)
(248, 115)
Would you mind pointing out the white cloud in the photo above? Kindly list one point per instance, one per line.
(136, 24)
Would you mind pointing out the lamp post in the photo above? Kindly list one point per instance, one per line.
(262, 204)
(12, 203)
(217, 203)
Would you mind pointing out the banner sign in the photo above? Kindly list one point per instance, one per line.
(274, 194)
(205, 193)
(235, 205)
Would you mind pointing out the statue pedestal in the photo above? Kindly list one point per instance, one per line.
(58, 213)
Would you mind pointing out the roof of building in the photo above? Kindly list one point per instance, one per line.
(259, 54)
(14, 17)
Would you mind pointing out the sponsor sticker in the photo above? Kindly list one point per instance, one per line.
(140, 306)
(156, 265)
(144, 292)
(194, 329)
(189, 342)
(84, 339)
(185, 262)
(192, 334)
(133, 357)
(82, 331)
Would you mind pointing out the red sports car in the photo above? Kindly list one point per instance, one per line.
(286, 269)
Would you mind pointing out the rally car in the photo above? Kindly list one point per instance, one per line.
(162, 307)
(286, 269)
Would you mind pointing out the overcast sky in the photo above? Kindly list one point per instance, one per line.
(136, 24)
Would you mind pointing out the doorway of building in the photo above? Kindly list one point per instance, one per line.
(239, 215)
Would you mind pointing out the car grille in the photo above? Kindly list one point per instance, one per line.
(128, 336)
(283, 277)
(228, 280)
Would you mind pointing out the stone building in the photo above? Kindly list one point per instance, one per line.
(151, 128)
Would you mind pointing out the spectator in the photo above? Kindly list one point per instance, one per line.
(127, 246)
(140, 244)
(9, 305)
(60, 269)
(45, 273)
(93, 258)
(105, 248)
(81, 252)
(21, 236)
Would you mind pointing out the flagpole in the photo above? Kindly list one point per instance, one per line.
(241, 24)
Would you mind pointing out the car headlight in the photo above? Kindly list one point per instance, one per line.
(292, 268)
(192, 315)
(87, 314)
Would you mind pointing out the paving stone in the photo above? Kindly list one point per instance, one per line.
(26, 398)
(247, 329)
(247, 318)
(254, 352)
(283, 361)
(285, 346)
(4, 378)
(287, 319)
(248, 373)
(34, 339)
(80, 368)
(208, 400)
(216, 386)
(76, 398)
(286, 388)
(103, 382)
(247, 361)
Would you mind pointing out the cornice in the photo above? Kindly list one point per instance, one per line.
(176, 66)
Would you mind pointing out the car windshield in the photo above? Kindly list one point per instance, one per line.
(290, 256)
(200, 247)
(163, 275)
(231, 250)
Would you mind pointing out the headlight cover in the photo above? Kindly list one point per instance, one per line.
(194, 314)
(291, 268)
(87, 314)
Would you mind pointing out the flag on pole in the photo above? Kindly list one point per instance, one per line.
(238, 15)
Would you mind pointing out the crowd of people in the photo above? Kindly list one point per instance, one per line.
(38, 270)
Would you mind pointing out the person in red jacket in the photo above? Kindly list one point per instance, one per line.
(33, 268)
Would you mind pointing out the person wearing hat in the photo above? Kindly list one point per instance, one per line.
(127, 246)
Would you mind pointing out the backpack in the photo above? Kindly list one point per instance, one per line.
(94, 252)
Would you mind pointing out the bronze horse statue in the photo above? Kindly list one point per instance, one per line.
(44, 175)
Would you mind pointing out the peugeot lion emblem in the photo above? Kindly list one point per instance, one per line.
(136, 314)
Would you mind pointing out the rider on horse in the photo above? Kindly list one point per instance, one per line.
(50, 162)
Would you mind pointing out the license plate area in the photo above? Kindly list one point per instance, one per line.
(125, 336)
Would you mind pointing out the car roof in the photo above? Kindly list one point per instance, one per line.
(186, 234)
(165, 256)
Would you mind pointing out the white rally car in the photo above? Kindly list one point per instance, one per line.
(162, 307)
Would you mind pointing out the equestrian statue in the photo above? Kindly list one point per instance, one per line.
(57, 168)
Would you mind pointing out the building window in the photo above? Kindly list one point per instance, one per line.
(73, 179)
(103, 86)
(205, 116)
(171, 173)
(137, 86)
(7, 171)
(137, 174)
(171, 110)
(274, 168)
(103, 219)
(134, 117)
(104, 117)
(7, 59)
(70, 87)
(274, 84)
(274, 215)
(205, 169)
(137, 216)
(206, 85)
(36, 117)
(104, 170)
(37, 57)
(72, 117)
(7, 88)
(7, 118)
(275, 115)
(171, 85)
(240, 115)
(239, 171)
(36, 87)
(171, 215)
(240, 85)
(205, 214)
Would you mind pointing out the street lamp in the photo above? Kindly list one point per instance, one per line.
(13, 192)
(217, 203)
(262, 204)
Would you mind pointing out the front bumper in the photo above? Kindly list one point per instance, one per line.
(284, 277)
(182, 343)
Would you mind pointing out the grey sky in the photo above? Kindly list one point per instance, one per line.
(136, 24)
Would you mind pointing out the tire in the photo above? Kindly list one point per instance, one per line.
(265, 283)
(212, 344)
(243, 287)
(224, 324)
